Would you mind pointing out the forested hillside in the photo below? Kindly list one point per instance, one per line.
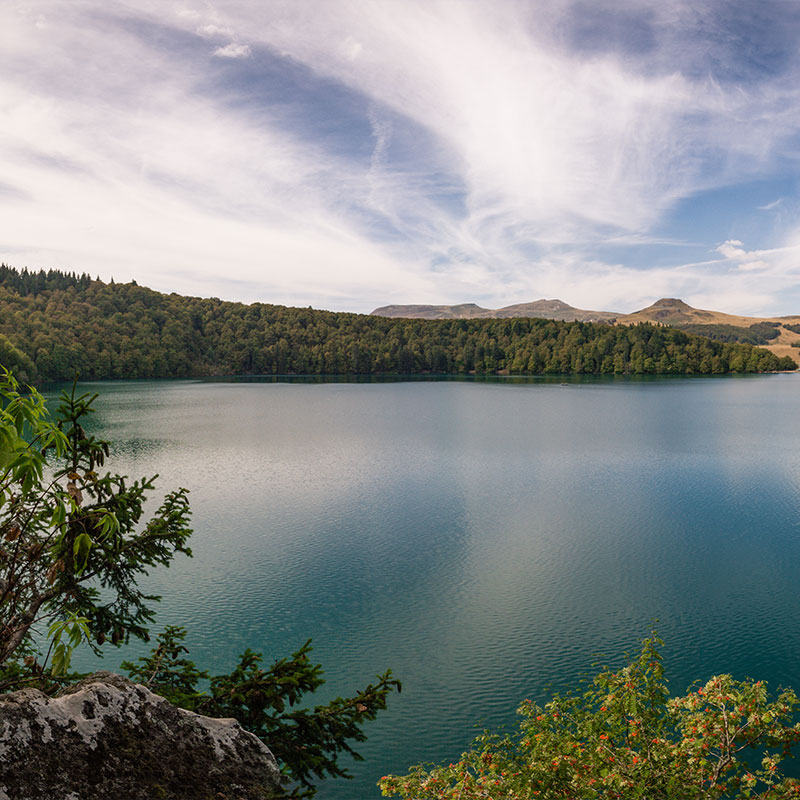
(53, 324)
(758, 333)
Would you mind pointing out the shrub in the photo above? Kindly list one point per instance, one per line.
(622, 736)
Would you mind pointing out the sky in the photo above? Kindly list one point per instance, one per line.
(347, 154)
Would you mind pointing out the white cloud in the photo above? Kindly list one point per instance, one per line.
(136, 165)
(732, 249)
(211, 30)
(753, 266)
(541, 136)
(146, 184)
(233, 50)
(749, 261)
(351, 49)
(551, 149)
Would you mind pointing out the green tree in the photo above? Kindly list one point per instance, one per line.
(73, 544)
(622, 736)
(306, 741)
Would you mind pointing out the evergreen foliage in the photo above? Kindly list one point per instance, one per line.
(757, 333)
(306, 742)
(57, 324)
(72, 539)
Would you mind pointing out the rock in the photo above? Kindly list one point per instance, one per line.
(107, 737)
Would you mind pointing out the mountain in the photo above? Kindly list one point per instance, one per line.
(555, 309)
(769, 332)
(539, 309)
(774, 333)
(462, 311)
(671, 311)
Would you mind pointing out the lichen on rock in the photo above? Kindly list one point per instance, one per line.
(107, 737)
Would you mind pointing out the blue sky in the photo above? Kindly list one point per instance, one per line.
(349, 154)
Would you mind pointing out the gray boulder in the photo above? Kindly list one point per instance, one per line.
(111, 739)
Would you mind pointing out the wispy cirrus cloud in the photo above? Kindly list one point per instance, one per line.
(348, 154)
(233, 50)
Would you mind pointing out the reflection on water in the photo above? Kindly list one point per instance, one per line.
(482, 538)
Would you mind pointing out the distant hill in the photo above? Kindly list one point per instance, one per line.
(462, 311)
(555, 309)
(671, 311)
(774, 333)
(769, 332)
(539, 309)
(54, 324)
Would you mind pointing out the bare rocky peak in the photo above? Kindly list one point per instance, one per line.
(672, 302)
(666, 311)
(542, 309)
(554, 309)
(461, 311)
(672, 311)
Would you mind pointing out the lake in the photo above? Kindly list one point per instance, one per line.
(483, 538)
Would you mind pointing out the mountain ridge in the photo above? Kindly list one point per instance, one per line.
(538, 309)
(664, 308)
(670, 311)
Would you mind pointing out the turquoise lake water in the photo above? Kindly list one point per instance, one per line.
(484, 539)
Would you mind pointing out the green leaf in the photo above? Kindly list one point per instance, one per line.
(59, 516)
(80, 549)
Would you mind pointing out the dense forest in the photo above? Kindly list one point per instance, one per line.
(54, 324)
(757, 333)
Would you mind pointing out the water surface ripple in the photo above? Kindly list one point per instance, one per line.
(482, 539)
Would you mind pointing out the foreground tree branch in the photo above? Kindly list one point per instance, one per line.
(73, 540)
(74, 543)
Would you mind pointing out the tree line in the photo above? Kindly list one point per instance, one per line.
(757, 333)
(54, 324)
